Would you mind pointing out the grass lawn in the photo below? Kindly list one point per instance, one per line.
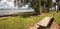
(57, 18)
(23, 22)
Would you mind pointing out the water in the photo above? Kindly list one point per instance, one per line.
(7, 7)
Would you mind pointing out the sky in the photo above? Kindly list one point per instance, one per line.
(53, 0)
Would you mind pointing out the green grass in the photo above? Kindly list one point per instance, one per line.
(57, 18)
(23, 22)
(19, 22)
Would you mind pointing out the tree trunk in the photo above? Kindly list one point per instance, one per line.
(57, 1)
(49, 4)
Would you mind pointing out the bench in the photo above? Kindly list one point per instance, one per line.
(45, 22)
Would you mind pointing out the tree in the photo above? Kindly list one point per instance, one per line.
(42, 5)
(36, 5)
(48, 4)
(57, 1)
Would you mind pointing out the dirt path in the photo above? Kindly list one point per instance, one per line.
(54, 25)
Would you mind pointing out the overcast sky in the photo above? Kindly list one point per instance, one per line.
(53, 0)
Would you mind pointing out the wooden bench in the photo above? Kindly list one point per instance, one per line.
(45, 22)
